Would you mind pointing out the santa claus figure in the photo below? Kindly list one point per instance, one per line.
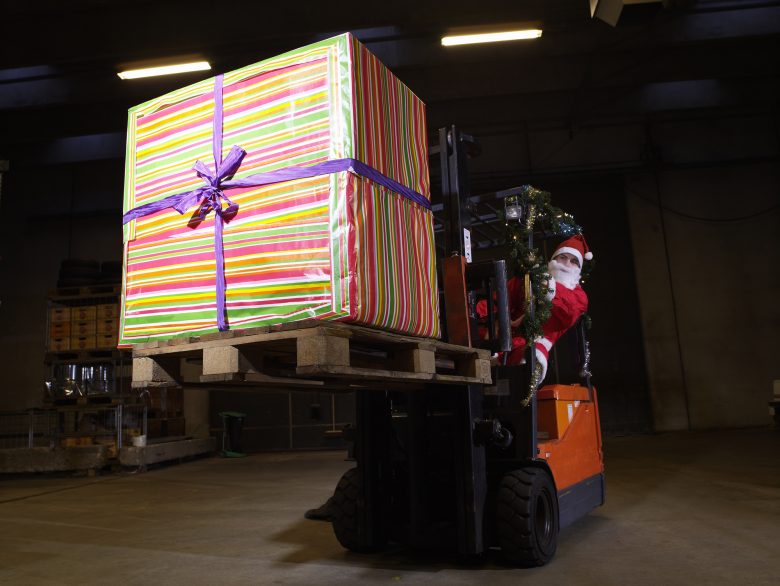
(568, 299)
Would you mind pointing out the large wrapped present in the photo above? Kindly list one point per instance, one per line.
(292, 189)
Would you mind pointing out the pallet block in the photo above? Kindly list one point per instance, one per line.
(298, 354)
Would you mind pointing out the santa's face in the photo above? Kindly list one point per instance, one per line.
(565, 268)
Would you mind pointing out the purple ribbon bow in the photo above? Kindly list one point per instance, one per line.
(211, 196)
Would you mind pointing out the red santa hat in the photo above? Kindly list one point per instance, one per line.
(576, 246)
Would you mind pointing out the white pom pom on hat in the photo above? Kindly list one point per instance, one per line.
(575, 246)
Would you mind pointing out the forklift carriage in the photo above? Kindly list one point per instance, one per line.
(473, 467)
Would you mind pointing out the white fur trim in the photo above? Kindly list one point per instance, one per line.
(545, 342)
(570, 250)
(540, 358)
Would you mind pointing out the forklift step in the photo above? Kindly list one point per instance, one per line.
(299, 354)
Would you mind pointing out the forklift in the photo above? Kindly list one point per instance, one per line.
(474, 467)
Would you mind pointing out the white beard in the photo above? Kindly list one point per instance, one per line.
(569, 277)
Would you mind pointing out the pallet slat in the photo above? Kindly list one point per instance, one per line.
(312, 349)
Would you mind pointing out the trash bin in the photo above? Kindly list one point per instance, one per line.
(232, 422)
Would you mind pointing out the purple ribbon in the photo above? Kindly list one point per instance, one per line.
(211, 195)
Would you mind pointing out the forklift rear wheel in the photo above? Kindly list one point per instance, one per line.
(346, 508)
(527, 517)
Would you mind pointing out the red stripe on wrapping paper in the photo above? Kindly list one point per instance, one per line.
(321, 242)
(247, 212)
(252, 235)
(304, 273)
(269, 122)
(227, 135)
(256, 79)
(148, 119)
(226, 91)
(257, 302)
(352, 267)
(181, 181)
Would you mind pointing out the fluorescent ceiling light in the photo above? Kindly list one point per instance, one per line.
(534, 33)
(164, 70)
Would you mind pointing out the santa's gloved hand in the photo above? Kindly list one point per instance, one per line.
(551, 286)
(541, 360)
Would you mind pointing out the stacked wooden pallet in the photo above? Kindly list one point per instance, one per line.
(311, 354)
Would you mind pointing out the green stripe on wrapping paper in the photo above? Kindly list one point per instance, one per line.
(338, 230)
(185, 315)
(162, 252)
(259, 318)
(403, 236)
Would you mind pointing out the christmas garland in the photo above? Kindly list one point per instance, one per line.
(540, 218)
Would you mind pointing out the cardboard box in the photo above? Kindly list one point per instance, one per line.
(59, 329)
(108, 310)
(82, 342)
(83, 328)
(59, 344)
(106, 340)
(59, 314)
(83, 313)
(107, 326)
(353, 241)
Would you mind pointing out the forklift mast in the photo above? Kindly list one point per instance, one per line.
(463, 281)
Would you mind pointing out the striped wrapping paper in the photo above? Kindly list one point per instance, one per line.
(334, 247)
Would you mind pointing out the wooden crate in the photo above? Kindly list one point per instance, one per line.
(107, 325)
(107, 311)
(106, 340)
(299, 354)
(83, 327)
(83, 313)
(59, 344)
(60, 329)
(59, 314)
(82, 342)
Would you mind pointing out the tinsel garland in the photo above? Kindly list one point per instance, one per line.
(543, 220)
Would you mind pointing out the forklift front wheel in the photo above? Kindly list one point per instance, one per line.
(527, 517)
(347, 509)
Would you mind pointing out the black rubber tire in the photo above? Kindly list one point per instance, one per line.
(527, 517)
(345, 508)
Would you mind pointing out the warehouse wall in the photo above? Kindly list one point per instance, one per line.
(708, 292)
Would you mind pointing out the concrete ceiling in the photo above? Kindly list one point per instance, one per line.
(60, 99)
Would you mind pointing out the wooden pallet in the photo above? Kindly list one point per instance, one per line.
(86, 355)
(304, 353)
(87, 291)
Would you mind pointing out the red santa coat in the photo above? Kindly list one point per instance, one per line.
(567, 307)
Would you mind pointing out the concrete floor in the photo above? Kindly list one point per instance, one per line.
(701, 508)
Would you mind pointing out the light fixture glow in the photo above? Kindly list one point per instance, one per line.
(491, 37)
(164, 70)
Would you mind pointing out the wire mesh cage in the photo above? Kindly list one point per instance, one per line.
(28, 429)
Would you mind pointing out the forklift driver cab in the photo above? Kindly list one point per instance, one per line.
(471, 466)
